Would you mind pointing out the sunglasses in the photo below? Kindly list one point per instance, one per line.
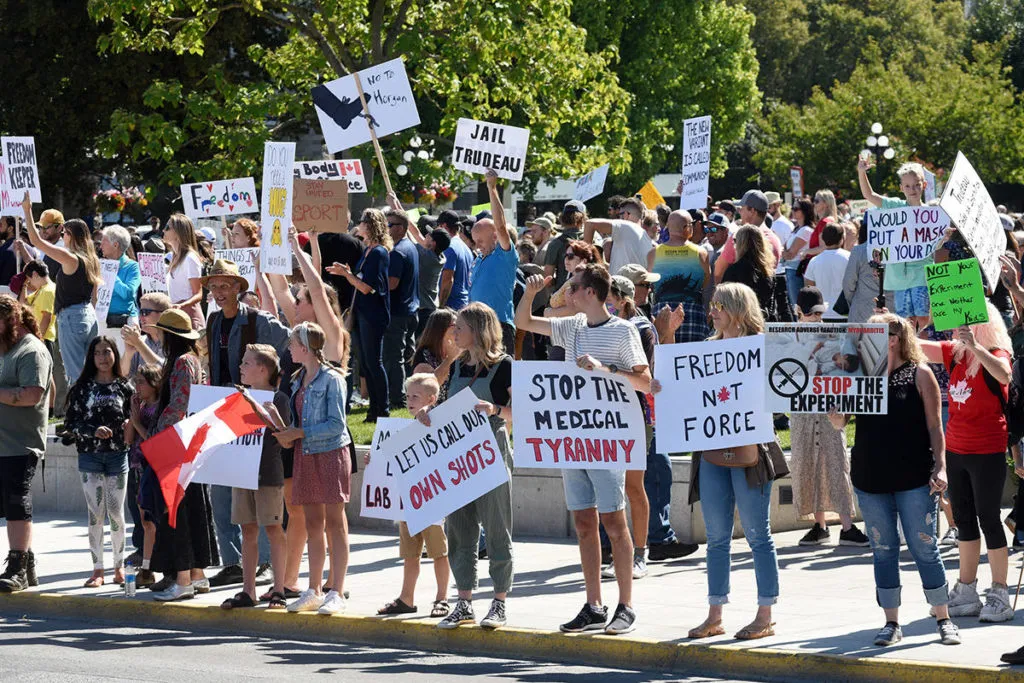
(717, 306)
(396, 225)
(708, 231)
(147, 311)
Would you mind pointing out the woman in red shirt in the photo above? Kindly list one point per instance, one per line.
(978, 362)
(824, 213)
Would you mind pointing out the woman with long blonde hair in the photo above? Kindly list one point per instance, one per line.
(184, 272)
(754, 268)
(979, 369)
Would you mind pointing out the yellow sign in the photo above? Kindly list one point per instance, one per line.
(650, 195)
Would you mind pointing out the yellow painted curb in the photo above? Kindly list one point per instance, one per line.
(593, 650)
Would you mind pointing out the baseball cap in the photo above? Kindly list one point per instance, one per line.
(727, 205)
(809, 300)
(1007, 222)
(637, 274)
(449, 218)
(541, 222)
(441, 238)
(51, 217)
(208, 233)
(718, 219)
(574, 206)
(623, 286)
(756, 200)
(773, 197)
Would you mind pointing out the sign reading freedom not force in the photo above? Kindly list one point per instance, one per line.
(906, 233)
(569, 418)
(712, 395)
(481, 146)
(821, 367)
(447, 465)
(956, 294)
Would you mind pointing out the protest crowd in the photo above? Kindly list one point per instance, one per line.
(602, 329)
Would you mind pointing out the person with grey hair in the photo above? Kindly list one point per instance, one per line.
(123, 311)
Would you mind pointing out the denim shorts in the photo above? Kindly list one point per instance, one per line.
(603, 489)
(110, 464)
(912, 302)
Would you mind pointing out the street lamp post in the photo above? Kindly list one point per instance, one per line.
(879, 145)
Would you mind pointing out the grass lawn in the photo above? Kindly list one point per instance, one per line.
(362, 432)
(850, 430)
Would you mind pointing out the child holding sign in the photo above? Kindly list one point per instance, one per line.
(421, 391)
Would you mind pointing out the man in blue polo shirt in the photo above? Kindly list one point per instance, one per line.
(458, 261)
(494, 271)
(403, 280)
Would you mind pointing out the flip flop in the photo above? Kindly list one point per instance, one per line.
(241, 599)
(396, 606)
(707, 630)
(94, 582)
(751, 633)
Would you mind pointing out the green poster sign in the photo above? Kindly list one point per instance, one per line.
(956, 293)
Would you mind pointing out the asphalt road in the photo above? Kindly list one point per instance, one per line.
(72, 650)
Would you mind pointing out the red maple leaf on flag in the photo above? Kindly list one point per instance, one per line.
(723, 395)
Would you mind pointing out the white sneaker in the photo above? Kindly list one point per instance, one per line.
(308, 601)
(608, 571)
(997, 605)
(964, 600)
(333, 604)
(639, 568)
(175, 592)
(952, 537)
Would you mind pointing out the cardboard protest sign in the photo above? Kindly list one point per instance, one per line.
(712, 395)
(858, 207)
(381, 498)
(592, 184)
(972, 212)
(153, 269)
(819, 367)
(389, 101)
(956, 294)
(906, 233)
(320, 206)
(108, 271)
(568, 418)
(21, 171)
(444, 466)
(696, 162)
(349, 169)
(275, 251)
(236, 463)
(245, 259)
(796, 179)
(219, 198)
(481, 146)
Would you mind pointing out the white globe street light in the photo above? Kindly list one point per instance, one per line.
(876, 128)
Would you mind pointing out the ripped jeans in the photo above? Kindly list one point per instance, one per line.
(918, 513)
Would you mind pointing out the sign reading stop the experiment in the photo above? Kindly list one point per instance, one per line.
(568, 418)
(481, 146)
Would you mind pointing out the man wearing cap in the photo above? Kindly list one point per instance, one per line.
(228, 332)
(493, 276)
(727, 208)
(630, 242)
(642, 281)
(404, 283)
(458, 262)
(781, 226)
(752, 208)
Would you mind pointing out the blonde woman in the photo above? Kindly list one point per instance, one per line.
(184, 283)
(754, 268)
(979, 369)
(825, 212)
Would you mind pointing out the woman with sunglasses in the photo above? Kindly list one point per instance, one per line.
(578, 253)
(802, 214)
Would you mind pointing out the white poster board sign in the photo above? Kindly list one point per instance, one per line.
(245, 259)
(569, 418)
(930, 186)
(820, 367)
(721, 385)
(696, 162)
(108, 271)
(10, 203)
(233, 464)
(796, 179)
(153, 268)
(219, 198)
(348, 169)
(481, 146)
(276, 217)
(973, 213)
(389, 101)
(592, 184)
(447, 465)
(905, 233)
(381, 497)
(21, 168)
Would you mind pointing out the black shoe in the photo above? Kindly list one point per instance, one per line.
(163, 584)
(589, 619)
(227, 576)
(264, 575)
(816, 536)
(670, 551)
(1015, 657)
(30, 571)
(481, 554)
(15, 576)
(134, 559)
(623, 621)
(854, 536)
(606, 556)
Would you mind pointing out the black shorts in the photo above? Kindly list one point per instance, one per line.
(16, 474)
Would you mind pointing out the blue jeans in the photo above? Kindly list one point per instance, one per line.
(658, 485)
(111, 464)
(76, 327)
(229, 536)
(371, 365)
(794, 283)
(721, 490)
(918, 513)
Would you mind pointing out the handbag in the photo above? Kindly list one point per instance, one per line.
(738, 456)
(115, 320)
(841, 306)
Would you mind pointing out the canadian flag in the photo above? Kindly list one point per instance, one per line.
(176, 453)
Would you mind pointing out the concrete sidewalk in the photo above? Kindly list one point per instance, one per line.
(826, 617)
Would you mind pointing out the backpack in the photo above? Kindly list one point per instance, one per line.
(1013, 405)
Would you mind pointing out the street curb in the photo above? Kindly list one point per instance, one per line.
(591, 650)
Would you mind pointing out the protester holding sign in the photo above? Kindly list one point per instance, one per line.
(185, 269)
(114, 245)
(494, 271)
(404, 282)
(979, 372)
(898, 467)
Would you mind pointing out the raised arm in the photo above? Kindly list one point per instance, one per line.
(525, 319)
(279, 286)
(601, 225)
(59, 254)
(498, 211)
(865, 185)
(325, 315)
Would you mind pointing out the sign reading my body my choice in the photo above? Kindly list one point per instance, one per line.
(481, 146)
(905, 233)
(219, 198)
(350, 170)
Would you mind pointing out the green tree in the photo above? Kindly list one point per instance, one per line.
(525, 65)
(1002, 22)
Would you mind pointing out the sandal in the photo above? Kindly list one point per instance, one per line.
(396, 606)
(266, 596)
(441, 609)
(277, 601)
(292, 593)
(752, 632)
(94, 582)
(707, 630)
(241, 599)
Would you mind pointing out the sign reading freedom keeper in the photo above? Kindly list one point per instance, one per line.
(482, 146)
(696, 162)
(21, 169)
(219, 198)
(971, 210)
(906, 233)
(569, 418)
(447, 465)
(956, 294)
(712, 395)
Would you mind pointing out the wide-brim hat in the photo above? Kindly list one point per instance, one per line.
(226, 269)
(175, 321)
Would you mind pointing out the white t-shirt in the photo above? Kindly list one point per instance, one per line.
(827, 270)
(630, 245)
(613, 342)
(804, 234)
(782, 227)
(178, 286)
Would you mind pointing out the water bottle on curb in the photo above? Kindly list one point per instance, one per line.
(129, 580)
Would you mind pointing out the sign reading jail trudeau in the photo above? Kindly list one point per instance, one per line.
(821, 367)
(568, 418)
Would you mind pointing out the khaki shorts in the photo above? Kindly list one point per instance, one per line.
(264, 506)
(411, 547)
